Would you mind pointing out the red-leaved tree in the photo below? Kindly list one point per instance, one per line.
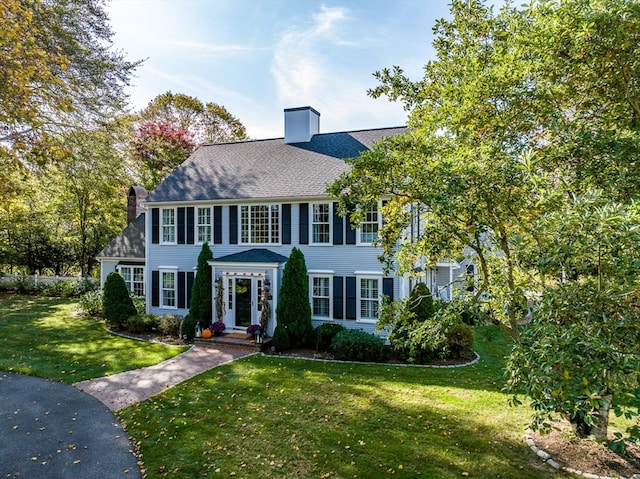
(158, 148)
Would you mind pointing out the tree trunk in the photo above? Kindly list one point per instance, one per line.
(598, 430)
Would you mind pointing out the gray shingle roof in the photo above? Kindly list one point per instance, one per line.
(256, 255)
(129, 243)
(262, 169)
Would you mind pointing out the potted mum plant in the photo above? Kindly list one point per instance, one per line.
(217, 327)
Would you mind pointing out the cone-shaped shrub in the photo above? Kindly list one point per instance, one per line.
(421, 302)
(293, 310)
(117, 304)
(201, 304)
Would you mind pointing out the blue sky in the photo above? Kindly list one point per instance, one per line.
(258, 57)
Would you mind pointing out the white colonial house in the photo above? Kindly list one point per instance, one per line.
(253, 201)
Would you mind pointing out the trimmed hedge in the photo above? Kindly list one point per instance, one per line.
(324, 335)
(356, 345)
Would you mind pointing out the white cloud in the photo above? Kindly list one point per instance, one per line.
(309, 68)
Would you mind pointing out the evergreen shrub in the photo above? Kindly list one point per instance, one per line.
(188, 327)
(117, 305)
(294, 310)
(90, 304)
(460, 339)
(201, 303)
(324, 335)
(142, 323)
(356, 345)
(281, 340)
(169, 324)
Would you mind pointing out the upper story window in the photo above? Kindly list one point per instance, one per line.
(320, 223)
(260, 224)
(168, 225)
(204, 225)
(369, 227)
(134, 278)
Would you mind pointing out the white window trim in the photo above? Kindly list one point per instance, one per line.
(249, 226)
(311, 223)
(130, 283)
(367, 275)
(175, 226)
(198, 225)
(321, 274)
(359, 242)
(174, 271)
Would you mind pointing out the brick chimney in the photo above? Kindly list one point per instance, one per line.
(134, 202)
(300, 124)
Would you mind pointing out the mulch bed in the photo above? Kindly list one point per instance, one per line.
(586, 455)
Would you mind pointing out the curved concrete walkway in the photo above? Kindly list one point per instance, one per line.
(124, 389)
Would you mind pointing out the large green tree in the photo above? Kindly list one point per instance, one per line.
(58, 67)
(524, 117)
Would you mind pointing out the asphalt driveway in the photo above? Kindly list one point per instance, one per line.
(50, 430)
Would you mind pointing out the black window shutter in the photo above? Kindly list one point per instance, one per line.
(351, 230)
(155, 288)
(351, 297)
(181, 214)
(233, 224)
(190, 276)
(387, 288)
(217, 224)
(155, 225)
(286, 224)
(338, 297)
(190, 225)
(338, 223)
(181, 289)
(304, 223)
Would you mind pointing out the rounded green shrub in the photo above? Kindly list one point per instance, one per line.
(324, 335)
(169, 324)
(356, 345)
(460, 339)
(90, 304)
(142, 323)
(117, 305)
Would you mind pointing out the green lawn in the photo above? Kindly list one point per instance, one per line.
(268, 417)
(44, 337)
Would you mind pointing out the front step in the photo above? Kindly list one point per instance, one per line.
(233, 339)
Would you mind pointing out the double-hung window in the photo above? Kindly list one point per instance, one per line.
(320, 223)
(168, 226)
(260, 224)
(369, 297)
(168, 289)
(204, 225)
(369, 227)
(321, 296)
(133, 278)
